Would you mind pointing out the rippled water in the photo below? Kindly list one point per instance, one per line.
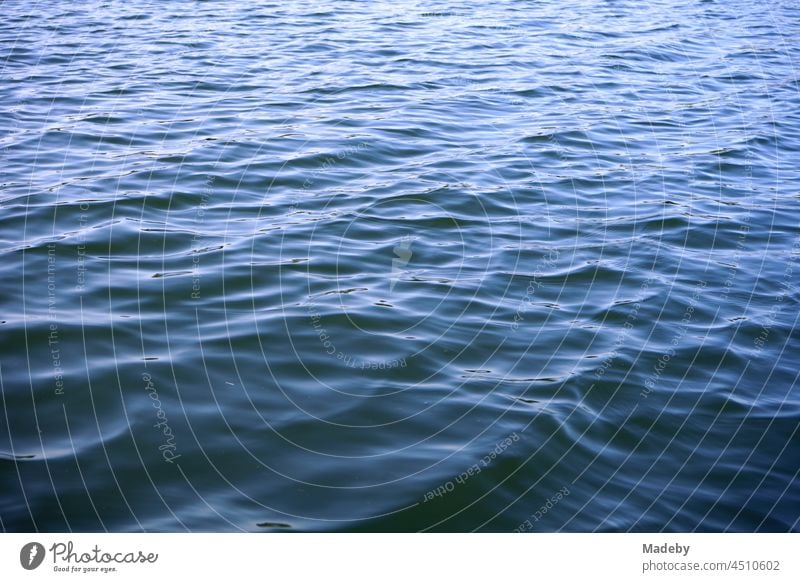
(369, 266)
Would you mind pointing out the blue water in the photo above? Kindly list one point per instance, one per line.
(400, 266)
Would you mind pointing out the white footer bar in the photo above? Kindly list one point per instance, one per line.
(389, 557)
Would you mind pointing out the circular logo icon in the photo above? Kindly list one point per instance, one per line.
(31, 555)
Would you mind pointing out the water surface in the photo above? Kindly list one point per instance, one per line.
(380, 266)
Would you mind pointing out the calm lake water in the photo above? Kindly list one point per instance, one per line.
(385, 266)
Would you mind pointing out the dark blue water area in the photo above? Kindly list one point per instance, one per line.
(380, 266)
